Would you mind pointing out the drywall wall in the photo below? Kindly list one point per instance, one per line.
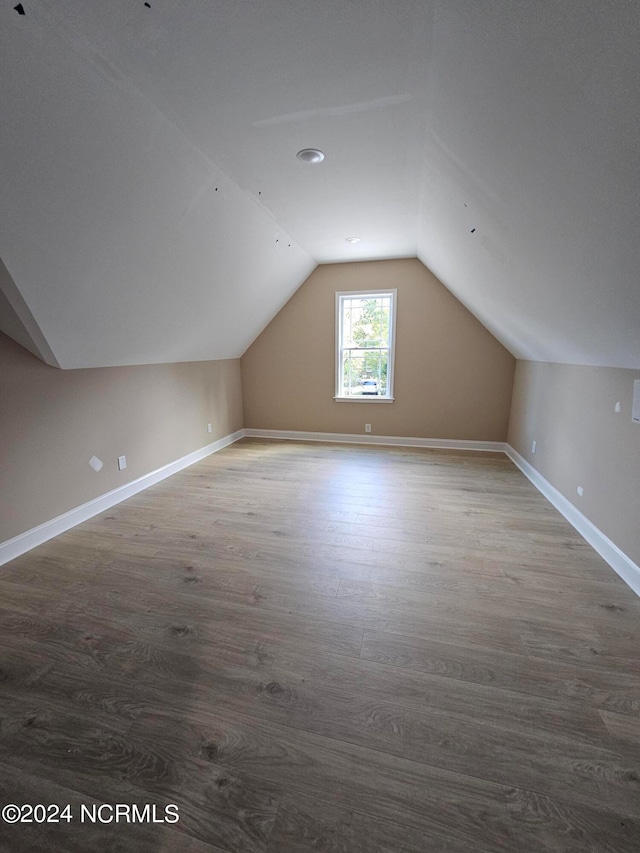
(17, 321)
(53, 421)
(569, 411)
(452, 378)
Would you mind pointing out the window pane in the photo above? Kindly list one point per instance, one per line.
(364, 372)
(366, 321)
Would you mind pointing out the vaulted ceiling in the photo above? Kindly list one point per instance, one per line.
(152, 208)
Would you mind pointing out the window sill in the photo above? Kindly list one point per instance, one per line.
(364, 399)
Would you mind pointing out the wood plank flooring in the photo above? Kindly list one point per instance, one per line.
(330, 648)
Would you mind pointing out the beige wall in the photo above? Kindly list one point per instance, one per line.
(569, 411)
(52, 422)
(452, 380)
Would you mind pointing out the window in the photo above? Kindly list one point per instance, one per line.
(365, 333)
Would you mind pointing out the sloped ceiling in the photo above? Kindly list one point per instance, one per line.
(152, 208)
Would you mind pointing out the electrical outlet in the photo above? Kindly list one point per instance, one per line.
(616, 408)
(122, 463)
(367, 427)
(534, 444)
(208, 427)
(580, 491)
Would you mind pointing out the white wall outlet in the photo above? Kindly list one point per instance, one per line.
(367, 427)
(96, 463)
(534, 444)
(580, 491)
(208, 427)
(122, 463)
(617, 408)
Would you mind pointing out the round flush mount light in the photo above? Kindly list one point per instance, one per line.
(351, 240)
(310, 155)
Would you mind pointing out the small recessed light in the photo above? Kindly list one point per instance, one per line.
(351, 239)
(310, 155)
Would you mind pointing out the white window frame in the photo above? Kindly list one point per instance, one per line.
(340, 295)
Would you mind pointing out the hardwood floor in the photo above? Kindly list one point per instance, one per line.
(329, 648)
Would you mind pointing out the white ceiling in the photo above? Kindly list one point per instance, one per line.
(152, 208)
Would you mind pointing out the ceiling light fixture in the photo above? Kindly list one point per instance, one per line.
(310, 155)
(351, 239)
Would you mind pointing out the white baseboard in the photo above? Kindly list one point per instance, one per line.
(13, 548)
(389, 440)
(608, 550)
